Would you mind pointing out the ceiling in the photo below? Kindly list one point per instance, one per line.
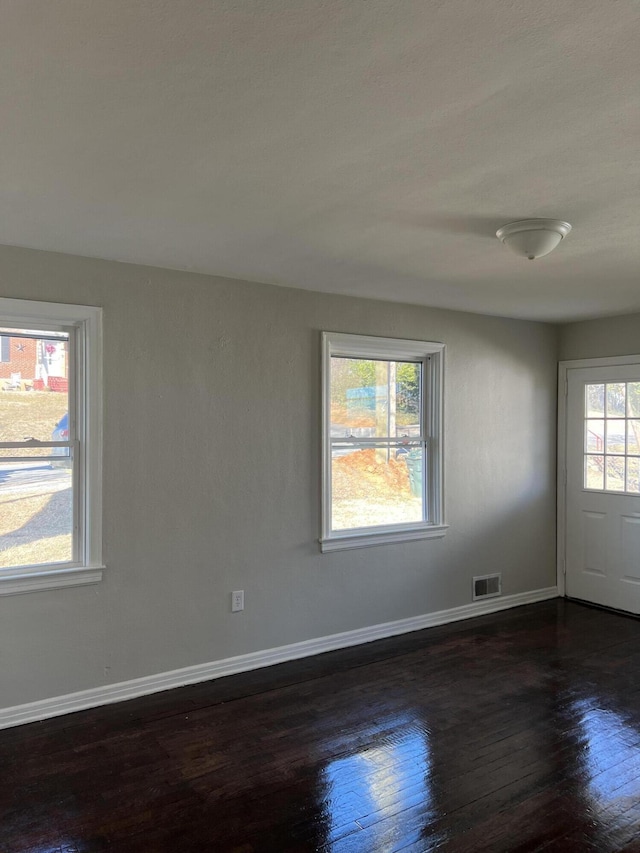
(363, 147)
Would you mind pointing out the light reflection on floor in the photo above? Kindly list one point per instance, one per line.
(612, 762)
(371, 790)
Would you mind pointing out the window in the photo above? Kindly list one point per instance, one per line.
(382, 441)
(50, 446)
(612, 437)
(5, 349)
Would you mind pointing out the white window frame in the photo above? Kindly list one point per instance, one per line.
(85, 326)
(431, 357)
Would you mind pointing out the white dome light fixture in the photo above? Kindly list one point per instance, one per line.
(533, 238)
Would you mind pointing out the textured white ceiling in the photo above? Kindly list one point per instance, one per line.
(366, 147)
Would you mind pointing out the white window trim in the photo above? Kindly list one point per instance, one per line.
(432, 355)
(89, 566)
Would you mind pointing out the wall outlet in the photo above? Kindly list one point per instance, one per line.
(237, 600)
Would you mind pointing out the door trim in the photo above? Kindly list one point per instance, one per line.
(563, 386)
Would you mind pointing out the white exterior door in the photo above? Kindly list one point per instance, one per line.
(602, 492)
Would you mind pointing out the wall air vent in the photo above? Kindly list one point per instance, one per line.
(487, 586)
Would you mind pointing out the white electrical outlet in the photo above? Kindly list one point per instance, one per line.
(237, 600)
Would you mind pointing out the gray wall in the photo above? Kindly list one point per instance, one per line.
(609, 336)
(211, 475)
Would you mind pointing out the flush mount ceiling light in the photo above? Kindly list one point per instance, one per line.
(533, 238)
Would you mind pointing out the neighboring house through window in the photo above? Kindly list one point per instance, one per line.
(50, 446)
(382, 442)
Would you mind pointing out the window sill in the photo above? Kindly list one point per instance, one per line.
(347, 541)
(37, 578)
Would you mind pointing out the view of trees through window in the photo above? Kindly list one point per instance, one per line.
(377, 453)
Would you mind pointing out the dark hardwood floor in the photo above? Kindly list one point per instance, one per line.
(518, 731)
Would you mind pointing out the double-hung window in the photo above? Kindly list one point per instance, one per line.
(382, 441)
(50, 446)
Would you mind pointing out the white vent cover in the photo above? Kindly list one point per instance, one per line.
(487, 586)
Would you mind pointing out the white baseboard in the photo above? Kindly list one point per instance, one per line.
(56, 706)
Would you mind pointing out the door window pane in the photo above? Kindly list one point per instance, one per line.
(615, 474)
(633, 475)
(616, 439)
(616, 399)
(594, 401)
(633, 399)
(633, 436)
(594, 472)
(594, 436)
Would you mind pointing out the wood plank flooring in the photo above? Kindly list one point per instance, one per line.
(518, 731)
